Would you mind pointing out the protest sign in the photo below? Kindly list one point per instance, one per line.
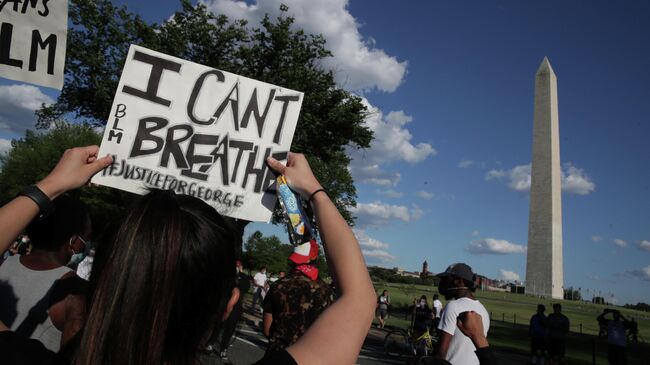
(32, 41)
(199, 131)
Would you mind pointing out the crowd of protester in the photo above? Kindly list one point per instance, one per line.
(165, 280)
(166, 284)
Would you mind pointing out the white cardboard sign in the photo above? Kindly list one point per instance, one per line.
(33, 36)
(199, 131)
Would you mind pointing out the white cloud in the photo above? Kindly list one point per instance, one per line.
(390, 193)
(643, 273)
(494, 174)
(573, 179)
(379, 214)
(424, 195)
(492, 246)
(381, 255)
(620, 243)
(5, 145)
(596, 238)
(509, 276)
(366, 241)
(17, 106)
(463, 164)
(392, 143)
(475, 233)
(644, 245)
(357, 63)
(371, 248)
(373, 174)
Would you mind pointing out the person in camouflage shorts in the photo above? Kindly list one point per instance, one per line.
(293, 304)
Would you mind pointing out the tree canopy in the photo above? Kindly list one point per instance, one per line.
(330, 119)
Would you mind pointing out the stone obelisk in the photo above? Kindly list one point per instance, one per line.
(544, 264)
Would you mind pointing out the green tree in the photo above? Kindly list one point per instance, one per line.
(330, 120)
(266, 251)
(35, 155)
(572, 294)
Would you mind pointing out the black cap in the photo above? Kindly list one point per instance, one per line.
(459, 270)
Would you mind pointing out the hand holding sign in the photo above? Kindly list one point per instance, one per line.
(75, 168)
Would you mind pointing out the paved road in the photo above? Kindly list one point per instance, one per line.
(250, 344)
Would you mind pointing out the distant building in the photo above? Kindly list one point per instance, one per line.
(484, 282)
(401, 272)
(425, 270)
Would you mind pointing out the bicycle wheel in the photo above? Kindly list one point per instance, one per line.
(397, 343)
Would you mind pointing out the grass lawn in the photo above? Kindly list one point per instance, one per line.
(510, 314)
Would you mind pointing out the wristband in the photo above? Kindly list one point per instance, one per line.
(311, 197)
(38, 196)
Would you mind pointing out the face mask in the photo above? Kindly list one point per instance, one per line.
(77, 257)
(422, 303)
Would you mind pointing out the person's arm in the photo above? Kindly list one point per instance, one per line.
(3, 327)
(267, 322)
(337, 335)
(443, 345)
(75, 316)
(471, 325)
(74, 169)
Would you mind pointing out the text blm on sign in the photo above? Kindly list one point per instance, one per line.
(32, 41)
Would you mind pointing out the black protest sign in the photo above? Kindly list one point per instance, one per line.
(196, 130)
(32, 41)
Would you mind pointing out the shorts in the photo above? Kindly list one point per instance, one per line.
(382, 313)
(537, 344)
(556, 348)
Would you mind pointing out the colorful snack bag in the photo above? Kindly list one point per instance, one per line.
(298, 224)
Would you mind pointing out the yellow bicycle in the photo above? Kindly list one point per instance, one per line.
(402, 343)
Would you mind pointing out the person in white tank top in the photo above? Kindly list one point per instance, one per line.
(457, 286)
(41, 297)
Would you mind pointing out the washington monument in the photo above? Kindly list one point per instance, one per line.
(544, 271)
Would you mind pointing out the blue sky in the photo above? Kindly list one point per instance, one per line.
(450, 84)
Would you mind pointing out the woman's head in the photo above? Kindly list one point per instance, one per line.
(423, 301)
(165, 280)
